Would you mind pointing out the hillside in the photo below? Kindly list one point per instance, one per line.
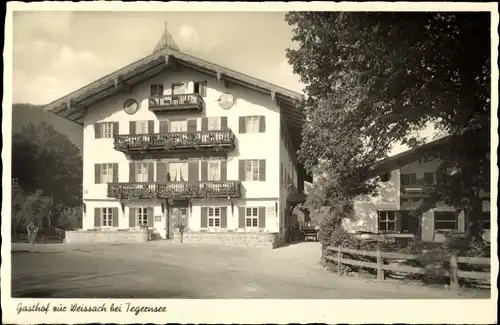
(23, 114)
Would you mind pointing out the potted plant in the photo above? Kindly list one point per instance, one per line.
(179, 229)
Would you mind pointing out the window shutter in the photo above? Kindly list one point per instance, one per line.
(150, 216)
(161, 172)
(223, 217)
(262, 217)
(97, 172)
(98, 130)
(97, 217)
(262, 124)
(116, 128)
(191, 125)
(193, 171)
(151, 127)
(114, 219)
(203, 88)
(131, 217)
(241, 170)
(115, 173)
(223, 170)
(429, 178)
(164, 126)
(262, 170)
(204, 124)
(151, 172)
(131, 169)
(223, 123)
(242, 124)
(131, 127)
(241, 217)
(204, 171)
(204, 217)
(398, 222)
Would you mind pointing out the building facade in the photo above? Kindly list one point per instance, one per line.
(389, 212)
(172, 141)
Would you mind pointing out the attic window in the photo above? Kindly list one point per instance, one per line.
(156, 90)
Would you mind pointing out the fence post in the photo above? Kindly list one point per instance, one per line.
(454, 272)
(380, 264)
(339, 257)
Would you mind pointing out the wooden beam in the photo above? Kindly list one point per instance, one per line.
(273, 96)
(122, 85)
(219, 76)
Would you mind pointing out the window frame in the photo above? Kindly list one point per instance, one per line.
(179, 124)
(141, 213)
(141, 123)
(384, 217)
(254, 169)
(107, 130)
(107, 217)
(412, 179)
(436, 221)
(253, 127)
(218, 168)
(254, 219)
(139, 176)
(218, 123)
(158, 90)
(106, 173)
(214, 214)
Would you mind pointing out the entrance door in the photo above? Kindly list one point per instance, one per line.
(177, 216)
(410, 224)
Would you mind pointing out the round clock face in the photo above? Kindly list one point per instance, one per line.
(130, 106)
(226, 101)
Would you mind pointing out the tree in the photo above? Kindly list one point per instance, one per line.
(45, 159)
(375, 78)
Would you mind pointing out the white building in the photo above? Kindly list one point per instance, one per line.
(172, 139)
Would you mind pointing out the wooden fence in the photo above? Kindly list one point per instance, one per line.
(454, 273)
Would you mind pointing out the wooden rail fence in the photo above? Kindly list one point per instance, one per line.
(454, 273)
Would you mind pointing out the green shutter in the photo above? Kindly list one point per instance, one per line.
(131, 217)
(151, 126)
(262, 170)
(242, 124)
(151, 172)
(114, 219)
(262, 124)
(161, 172)
(204, 124)
(223, 123)
(116, 128)
(204, 217)
(97, 173)
(193, 171)
(262, 217)
(191, 125)
(223, 217)
(204, 170)
(241, 217)
(115, 173)
(241, 170)
(131, 127)
(223, 170)
(131, 175)
(150, 216)
(97, 130)
(97, 217)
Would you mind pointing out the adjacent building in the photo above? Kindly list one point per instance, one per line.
(173, 141)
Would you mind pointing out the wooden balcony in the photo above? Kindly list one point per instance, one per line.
(216, 141)
(415, 191)
(176, 103)
(175, 190)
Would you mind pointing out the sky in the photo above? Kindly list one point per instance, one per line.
(58, 52)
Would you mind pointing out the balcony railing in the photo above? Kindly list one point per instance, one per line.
(184, 102)
(209, 189)
(180, 141)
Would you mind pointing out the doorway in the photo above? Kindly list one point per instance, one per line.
(177, 215)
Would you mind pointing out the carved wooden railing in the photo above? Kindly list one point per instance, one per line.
(216, 140)
(208, 189)
(176, 102)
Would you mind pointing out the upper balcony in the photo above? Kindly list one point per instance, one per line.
(176, 142)
(177, 103)
(175, 190)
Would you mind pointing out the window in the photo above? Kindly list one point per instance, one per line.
(179, 89)
(214, 171)
(429, 178)
(214, 123)
(251, 170)
(178, 126)
(214, 217)
(408, 179)
(386, 220)
(106, 173)
(141, 172)
(107, 130)
(200, 87)
(485, 218)
(252, 124)
(445, 220)
(251, 217)
(156, 90)
(178, 172)
(142, 216)
(141, 127)
(107, 217)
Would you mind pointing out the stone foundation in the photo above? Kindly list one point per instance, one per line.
(255, 240)
(82, 236)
